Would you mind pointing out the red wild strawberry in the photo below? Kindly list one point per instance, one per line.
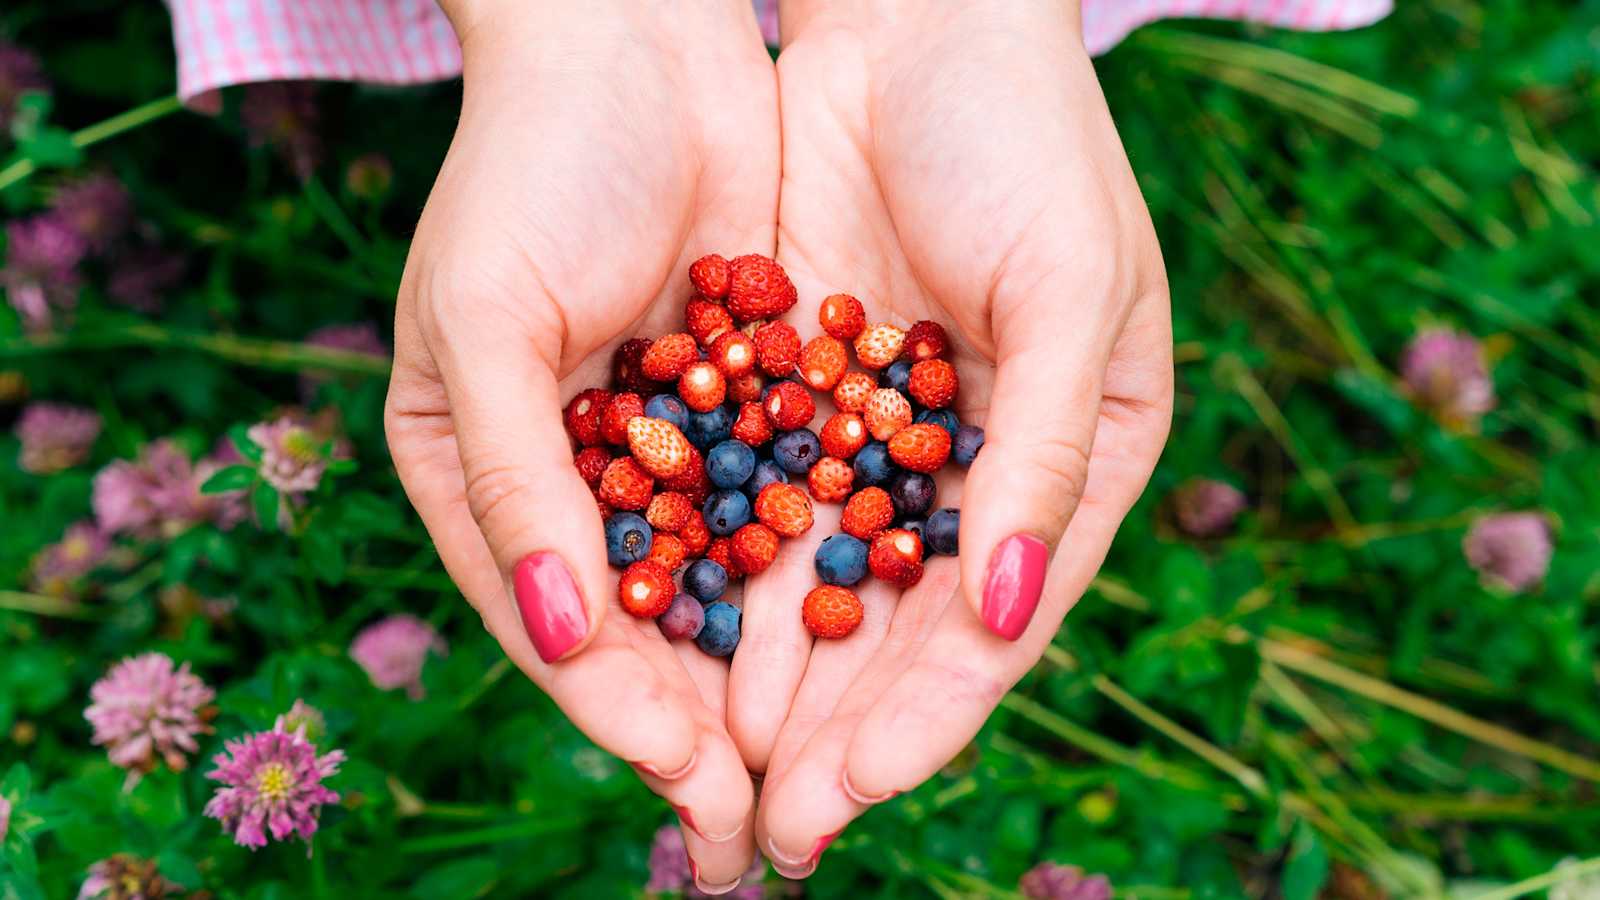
(753, 547)
(784, 508)
(823, 361)
(830, 479)
(746, 388)
(694, 534)
(692, 482)
(646, 589)
(841, 316)
(720, 551)
(752, 426)
(777, 348)
(843, 435)
(605, 508)
(933, 383)
(614, 421)
(667, 550)
(790, 406)
(925, 340)
(758, 288)
(669, 511)
(705, 320)
(668, 357)
(734, 353)
(658, 446)
(591, 463)
(625, 485)
(921, 448)
(896, 557)
(867, 512)
(582, 416)
(879, 346)
(887, 411)
(625, 370)
(709, 275)
(830, 611)
(702, 387)
(852, 391)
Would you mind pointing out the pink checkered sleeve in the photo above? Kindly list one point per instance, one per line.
(223, 42)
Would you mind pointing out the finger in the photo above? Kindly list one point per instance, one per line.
(713, 798)
(719, 868)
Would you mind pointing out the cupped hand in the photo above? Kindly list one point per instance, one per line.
(602, 147)
(961, 166)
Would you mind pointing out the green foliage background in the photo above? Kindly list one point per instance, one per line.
(1325, 703)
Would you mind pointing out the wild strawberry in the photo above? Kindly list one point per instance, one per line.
(823, 361)
(852, 391)
(896, 557)
(591, 463)
(784, 508)
(841, 316)
(843, 435)
(669, 511)
(605, 508)
(758, 288)
(614, 421)
(752, 426)
(720, 551)
(746, 388)
(789, 406)
(692, 481)
(702, 387)
(830, 479)
(920, 448)
(646, 589)
(734, 353)
(753, 547)
(709, 275)
(925, 340)
(887, 411)
(625, 367)
(706, 320)
(694, 534)
(867, 512)
(582, 416)
(879, 345)
(658, 446)
(667, 550)
(777, 348)
(830, 611)
(933, 383)
(625, 485)
(668, 357)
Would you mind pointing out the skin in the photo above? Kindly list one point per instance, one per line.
(958, 164)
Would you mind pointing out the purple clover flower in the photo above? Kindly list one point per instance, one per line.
(158, 494)
(272, 784)
(1052, 881)
(356, 337)
(97, 208)
(5, 817)
(1206, 507)
(145, 710)
(126, 877)
(392, 652)
(283, 115)
(55, 436)
(291, 455)
(671, 871)
(41, 272)
(19, 72)
(1444, 369)
(141, 276)
(59, 568)
(1510, 550)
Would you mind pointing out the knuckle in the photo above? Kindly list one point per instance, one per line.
(496, 493)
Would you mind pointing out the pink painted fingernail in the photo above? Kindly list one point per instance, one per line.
(1012, 587)
(675, 774)
(802, 868)
(552, 611)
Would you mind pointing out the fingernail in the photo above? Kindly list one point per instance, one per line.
(552, 611)
(715, 889)
(1011, 589)
(865, 799)
(800, 868)
(674, 774)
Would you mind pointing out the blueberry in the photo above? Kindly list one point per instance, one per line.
(709, 428)
(942, 531)
(730, 464)
(796, 451)
(898, 376)
(842, 560)
(706, 579)
(720, 634)
(683, 618)
(872, 464)
(666, 406)
(766, 473)
(943, 418)
(726, 511)
(914, 525)
(628, 539)
(912, 493)
(965, 444)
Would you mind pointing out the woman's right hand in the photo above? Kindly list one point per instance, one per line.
(602, 147)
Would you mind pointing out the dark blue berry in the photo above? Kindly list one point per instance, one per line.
(873, 465)
(666, 406)
(965, 444)
(730, 464)
(912, 493)
(726, 511)
(898, 376)
(914, 525)
(842, 560)
(683, 619)
(706, 579)
(943, 418)
(719, 636)
(708, 429)
(766, 473)
(628, 539)
(942, 533)
(797, 451)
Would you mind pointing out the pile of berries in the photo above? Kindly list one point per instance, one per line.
(696, 454)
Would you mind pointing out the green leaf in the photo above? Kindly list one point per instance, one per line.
(1307, 869)
(232, 478)
(265, 501)
(240, 436)
(325, 554)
